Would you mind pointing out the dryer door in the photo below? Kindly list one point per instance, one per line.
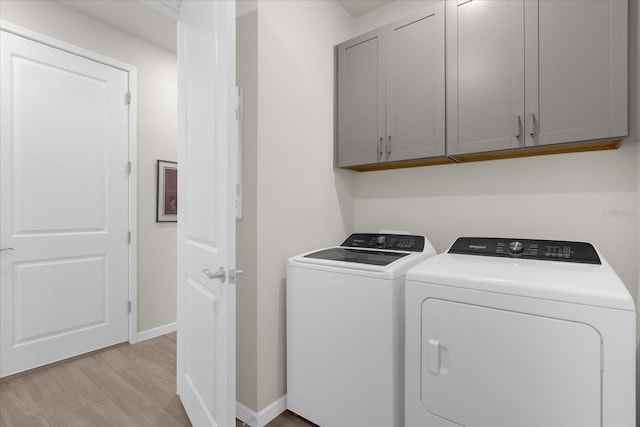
(489, 367)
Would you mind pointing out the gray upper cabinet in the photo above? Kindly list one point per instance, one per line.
(391, 92)
(415, 87)
(576, 55)
(485, 75)
(527, 73)
(361, 99)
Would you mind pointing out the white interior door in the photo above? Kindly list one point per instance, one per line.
(206, 211)
(64, 205)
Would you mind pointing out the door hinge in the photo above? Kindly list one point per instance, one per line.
(129, 237)
(238, 102)
(233, 275)
(129, 168)
(127, 98)
(129, 307)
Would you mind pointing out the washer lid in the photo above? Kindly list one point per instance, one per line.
(383, 254)
(588, 284)
(360, 256)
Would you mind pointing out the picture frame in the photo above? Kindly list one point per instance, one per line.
(167, 191)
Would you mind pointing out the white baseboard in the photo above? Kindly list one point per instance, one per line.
(156, 332)
(245, 415)
(264, 417)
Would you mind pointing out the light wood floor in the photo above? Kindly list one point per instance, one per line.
(286, 419)
(129, 386)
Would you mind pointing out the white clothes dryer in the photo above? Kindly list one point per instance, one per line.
(513, 332)
(345, 330)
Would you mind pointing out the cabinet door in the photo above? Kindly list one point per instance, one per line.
(485, 75)
(576, 68)
(361, 100)
(415, 87)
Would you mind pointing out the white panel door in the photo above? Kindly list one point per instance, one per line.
(64, 205)
(206, 212)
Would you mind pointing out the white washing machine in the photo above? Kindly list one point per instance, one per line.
(513, 332)
(345, 330)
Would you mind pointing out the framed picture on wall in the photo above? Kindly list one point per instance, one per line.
(167, 199)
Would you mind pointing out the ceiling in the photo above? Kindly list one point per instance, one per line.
(133, 17)
(154, 20)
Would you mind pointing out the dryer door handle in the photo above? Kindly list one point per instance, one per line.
(433, 352)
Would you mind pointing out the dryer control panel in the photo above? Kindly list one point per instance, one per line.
(546, 250)
(394, 242)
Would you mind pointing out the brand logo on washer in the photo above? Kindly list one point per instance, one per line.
(477, 247)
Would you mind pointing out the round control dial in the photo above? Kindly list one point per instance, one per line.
(380, 241)
(516, 247)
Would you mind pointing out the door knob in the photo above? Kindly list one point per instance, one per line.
(220, 274)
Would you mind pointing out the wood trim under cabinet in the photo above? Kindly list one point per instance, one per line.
(401, 164)
(542, 150)
(576, 147)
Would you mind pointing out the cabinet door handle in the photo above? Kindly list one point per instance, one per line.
(380, 152)
(389, 147)
(518, 125)
(532, 124)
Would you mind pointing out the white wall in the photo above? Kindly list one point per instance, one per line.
(302, 202)
(583, 196)
(157, 137)
(247, 227)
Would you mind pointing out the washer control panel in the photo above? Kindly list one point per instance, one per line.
(546, 250)
(394, 242)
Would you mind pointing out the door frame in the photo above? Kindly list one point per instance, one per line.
(132, 149)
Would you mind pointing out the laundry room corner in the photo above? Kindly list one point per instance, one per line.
(293, 198)
(298, 203)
